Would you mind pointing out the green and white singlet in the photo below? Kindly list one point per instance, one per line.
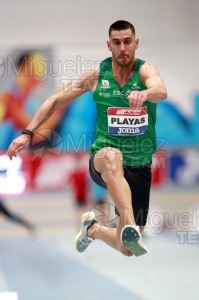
(119, 126)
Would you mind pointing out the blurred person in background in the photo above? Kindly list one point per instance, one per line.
(14, 217)
(16, 111)
(14, 115)
(29, 73)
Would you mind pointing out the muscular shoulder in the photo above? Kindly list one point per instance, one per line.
(150, 76)
(147, 70)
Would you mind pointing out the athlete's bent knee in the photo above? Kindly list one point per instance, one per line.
(114, 158)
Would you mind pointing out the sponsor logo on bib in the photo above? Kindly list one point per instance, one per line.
(127, 121)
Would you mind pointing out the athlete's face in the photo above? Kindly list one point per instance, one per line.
(123, 44)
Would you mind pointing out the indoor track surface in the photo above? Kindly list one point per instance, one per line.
(44, 265)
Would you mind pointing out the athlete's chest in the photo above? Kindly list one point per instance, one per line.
(109, 88)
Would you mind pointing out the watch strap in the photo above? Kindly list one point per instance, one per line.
(27, 131)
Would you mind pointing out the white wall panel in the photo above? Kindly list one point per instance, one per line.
(86, 22)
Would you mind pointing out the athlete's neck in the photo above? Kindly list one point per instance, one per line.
(122, 73)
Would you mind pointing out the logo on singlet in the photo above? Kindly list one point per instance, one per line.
(105, 84)
(121, 94)
(135, 86)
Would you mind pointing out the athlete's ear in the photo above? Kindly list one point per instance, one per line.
(136, 43)
(109, 45)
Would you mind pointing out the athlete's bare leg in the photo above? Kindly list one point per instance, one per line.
(126, 237)
(110, 236)
(109, 163)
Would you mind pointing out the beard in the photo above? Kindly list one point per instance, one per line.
(124, 60)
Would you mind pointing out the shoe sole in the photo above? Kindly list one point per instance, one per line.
(88, 216)
(131, 241)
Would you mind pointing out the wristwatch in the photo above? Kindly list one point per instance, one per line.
(27, 131)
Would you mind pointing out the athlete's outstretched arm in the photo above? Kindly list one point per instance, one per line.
(70, 92)
(155, 88)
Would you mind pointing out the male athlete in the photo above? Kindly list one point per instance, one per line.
(126, 90)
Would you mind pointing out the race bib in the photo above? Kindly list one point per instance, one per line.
(127, 121)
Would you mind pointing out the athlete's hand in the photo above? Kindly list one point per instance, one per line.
(136, 99)
(18, 144)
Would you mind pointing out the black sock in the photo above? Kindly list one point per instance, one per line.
(93, 222)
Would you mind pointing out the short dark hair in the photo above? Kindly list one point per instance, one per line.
(121, 25)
